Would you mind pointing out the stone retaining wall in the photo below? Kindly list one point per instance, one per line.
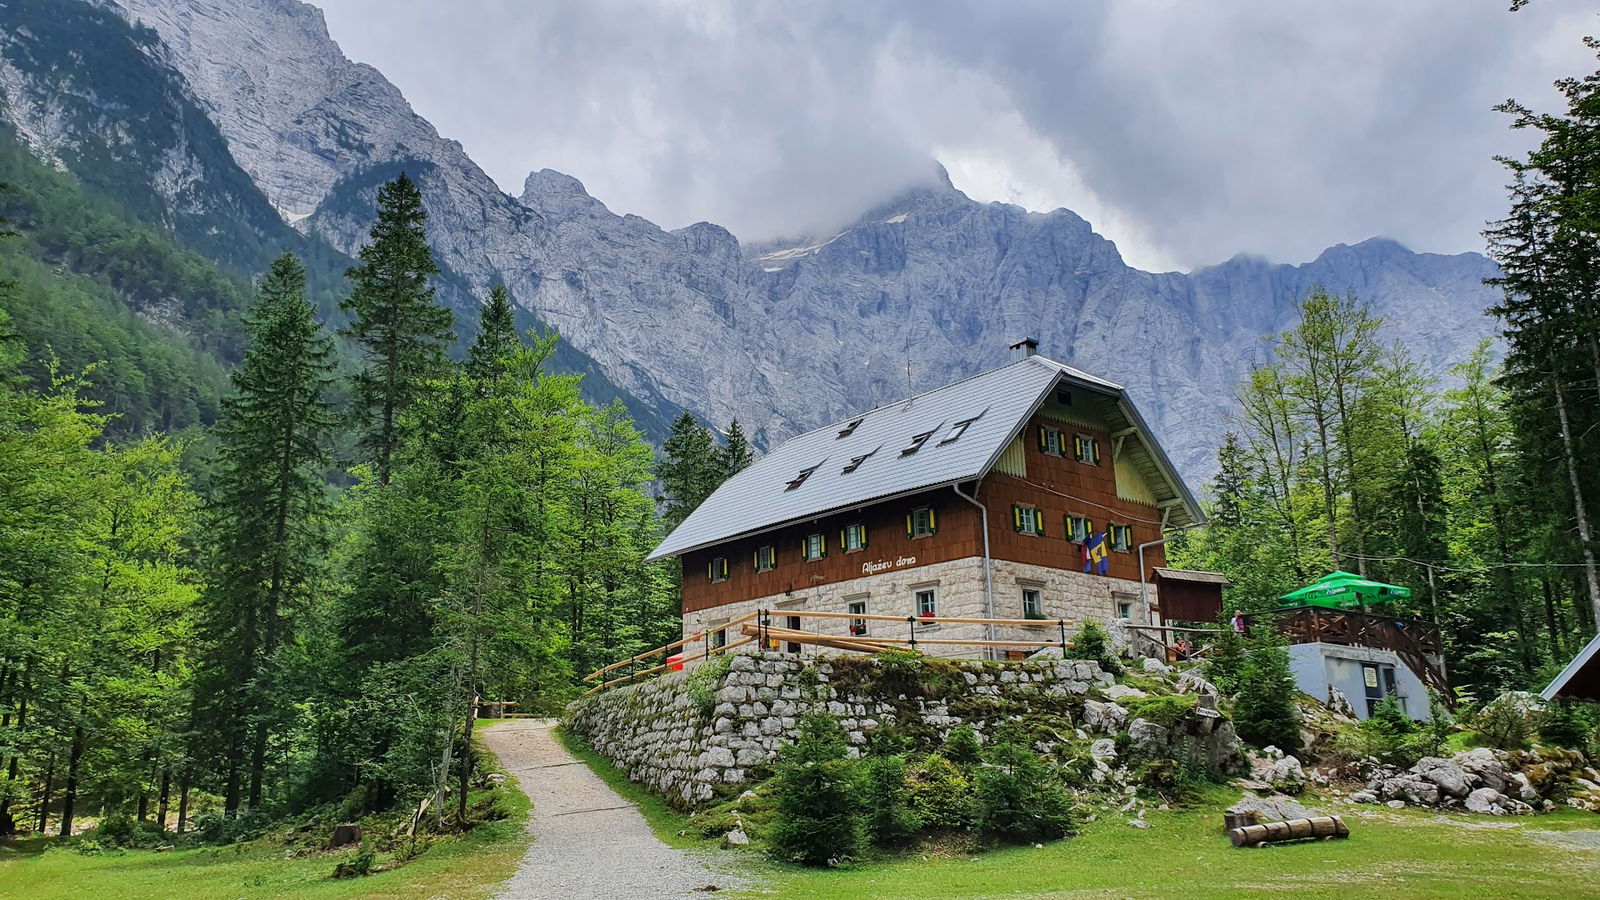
(692, 736)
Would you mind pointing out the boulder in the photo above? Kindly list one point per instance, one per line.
(736, 838)
(1487, 800)
(1339, 704)
(1486, 764)
(1156, 667)
(1102, 749)
(1449, 777)
(1103, 718)
(1363, 797)
(1116, 693)
(1287, 776)
(1148, 738)
(1192, 682)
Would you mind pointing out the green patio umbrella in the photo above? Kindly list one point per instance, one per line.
(1343, 590)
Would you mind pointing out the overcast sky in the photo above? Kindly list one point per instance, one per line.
(1185, 131)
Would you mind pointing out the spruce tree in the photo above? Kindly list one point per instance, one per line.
(401, 331)
(736, 454)
(690, 470)
(497, 336)
(268, 499)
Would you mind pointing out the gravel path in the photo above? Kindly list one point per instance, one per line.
(588, 841)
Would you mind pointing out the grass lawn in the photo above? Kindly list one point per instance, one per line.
(1407, 853)
(470, 866)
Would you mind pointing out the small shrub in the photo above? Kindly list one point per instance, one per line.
(1226, 661)
(1564, 725)
(1504, 724)
(1174, 780)
(891, 818)
(1265, 711)
(1017, 797)
(818, 792)
(940, 794)
(357, 866)
(1093, 643)
(962, 746)
(1164, 710)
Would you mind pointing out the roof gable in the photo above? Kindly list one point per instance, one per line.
(947, 435)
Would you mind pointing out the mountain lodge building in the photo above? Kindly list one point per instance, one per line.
(973, 500)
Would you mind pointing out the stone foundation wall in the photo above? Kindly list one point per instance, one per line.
(1075, 596)
(692, 736)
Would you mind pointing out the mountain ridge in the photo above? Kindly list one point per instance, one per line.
(782, 338)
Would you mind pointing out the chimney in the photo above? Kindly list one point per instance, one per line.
(1024, 348)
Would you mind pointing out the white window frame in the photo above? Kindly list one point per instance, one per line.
(851, 533)
(922, 521)
(857, 607)
(821, 542)
(719, 569)
(767, 554)
(932, 590)
(1125, 610)
(1032, 520)
(1037, 612)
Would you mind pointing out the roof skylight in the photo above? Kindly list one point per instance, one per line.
(850, 427)
(916, 442)
(801, 478)
(959, 428)
(856, 461)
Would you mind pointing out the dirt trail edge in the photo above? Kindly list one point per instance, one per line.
(587, 840)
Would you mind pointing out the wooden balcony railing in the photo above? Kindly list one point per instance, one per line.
(1418, 642)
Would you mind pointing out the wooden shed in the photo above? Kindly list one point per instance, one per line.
(1189, 596)
(1580, 680)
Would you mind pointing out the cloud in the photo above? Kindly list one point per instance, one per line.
(1185, 131)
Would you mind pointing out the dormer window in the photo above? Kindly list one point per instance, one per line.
(856, 461)
(958, 429)
(916, 443)
(850, 427)
(801, 478)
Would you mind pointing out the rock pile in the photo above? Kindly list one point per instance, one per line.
(1487, 781)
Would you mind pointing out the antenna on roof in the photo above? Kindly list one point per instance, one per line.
(909, 388)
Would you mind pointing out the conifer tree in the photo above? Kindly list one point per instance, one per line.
(736, 454)
(497, 336)
(401, 331)
(267, 534)
(691, 468)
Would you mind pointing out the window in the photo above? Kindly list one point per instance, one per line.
(1050, 441)
(858, 627)
(850, 427)
(1121, 537)
(958, 429)
(856, 461)
(916, 442)
(1032, 603)
(1124, 609)
(1079, 529)
(927, 602)
(793, 624)
(853, 538)
(766, 558)
(801, 478)
(718, 638)
(921, 522)
(717, 570)
(1064, 397)
(816, 546)
(1086, 449)
(1027, 519)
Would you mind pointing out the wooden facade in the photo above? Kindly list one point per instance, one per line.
(1056, 484)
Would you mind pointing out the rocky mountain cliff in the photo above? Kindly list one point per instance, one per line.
(782, 337)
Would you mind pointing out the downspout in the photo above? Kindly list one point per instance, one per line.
(988, 568)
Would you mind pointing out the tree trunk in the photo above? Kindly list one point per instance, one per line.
(44, 797)
(183, 803)
(1585, 537)
(1550, 617)
(230, 801)
(69, 801)
(165, 795)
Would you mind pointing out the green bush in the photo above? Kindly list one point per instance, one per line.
(1093, 643)
(962, 746)
(1565, 725)
(357, 866)
(940, 794)
(1226, 661)
(891, 818)
(818, 793)
(1265, 711)
(1017, 797)
(1505, 724)
(1164, 710)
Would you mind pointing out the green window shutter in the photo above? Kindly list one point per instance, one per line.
(863, 537)
(1038, 522)
(711, 570)
(1044, 443)
(909, 532)
(1016, 517)
(933, 522)
(822, 544)
(1094, 448)
(1066, 526)
(755, 562)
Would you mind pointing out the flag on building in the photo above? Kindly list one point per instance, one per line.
(1095, 556)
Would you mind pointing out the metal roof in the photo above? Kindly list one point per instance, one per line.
(995, 405)
(1192, 575)
(1580, 680)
